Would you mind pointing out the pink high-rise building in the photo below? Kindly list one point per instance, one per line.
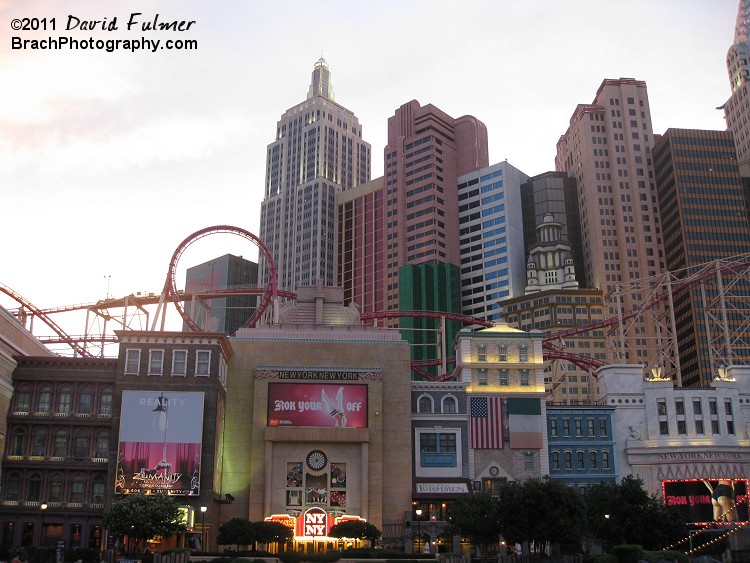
(737, 107)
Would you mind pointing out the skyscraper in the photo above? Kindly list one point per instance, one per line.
(318, 152)
(703, 219)
(737, 108)
(607, 149)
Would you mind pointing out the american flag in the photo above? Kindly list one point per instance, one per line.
(486, 422)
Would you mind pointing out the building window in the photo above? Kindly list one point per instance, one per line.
(553, 427)
(105, 403)
(481, 353)
(424, 404)
(179, 362)
(76, 490)
(203, 362)
(715, 426)
(23, 401)
(663, 428)
(712, 406)
(437, 449)
(579, 429)
(528, 460)
(482, 376)
(81, 447)
(61, 444)
(13, 487)
(64, 403)
(556, 460)
(568, 460)
(39, 445)
(502, 353)
(592, 460)
(155, 362)
(84, 402)
(681, 427)
(679, 407)
(525, 377)
(16, 442)
(56, 489)
(730, 427)
(504, 375)
(602, 428)
(45, 401)
(661, 407)
(581, 462)
(728, 407)
(97, 490)
(566, 427)
(590, 424)
(605, 460)
(523, 353)
(102, 446)
(699, 427)
(34, 488)
(449, 405)
(132, 361)
(697, 406)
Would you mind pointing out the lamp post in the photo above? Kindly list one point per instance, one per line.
(418, 512)
(203, 527)
(43, 508)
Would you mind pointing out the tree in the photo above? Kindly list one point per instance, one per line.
(272, 532)
(236, 532)
(541, 511)
(356, 529)
(142, 517)
(477, 517)
(626, 513)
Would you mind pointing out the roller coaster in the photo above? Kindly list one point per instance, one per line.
(723, 286)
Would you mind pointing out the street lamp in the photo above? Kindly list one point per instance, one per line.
(418, 512)
(203, 527)
(43, 508)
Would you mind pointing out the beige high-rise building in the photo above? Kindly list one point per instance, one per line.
(737, 107)
(607, 149)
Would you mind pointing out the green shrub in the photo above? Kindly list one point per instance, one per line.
(656, 556)
(602, 558)
(627, 553)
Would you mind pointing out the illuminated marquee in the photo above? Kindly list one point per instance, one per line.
(315, 523)
(317, 404)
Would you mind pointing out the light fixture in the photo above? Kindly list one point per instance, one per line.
(418, 512)
(43, 508)
(203, 527)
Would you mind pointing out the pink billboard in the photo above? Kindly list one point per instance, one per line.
(160, 442)
(317, 404)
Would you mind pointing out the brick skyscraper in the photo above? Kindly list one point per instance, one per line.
(318, 152)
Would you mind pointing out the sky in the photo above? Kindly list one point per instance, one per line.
(109, 160)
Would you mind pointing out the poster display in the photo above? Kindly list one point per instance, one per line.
(317, 404)
(708, 501)
(160, 442)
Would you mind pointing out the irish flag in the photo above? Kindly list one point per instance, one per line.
(525, 423)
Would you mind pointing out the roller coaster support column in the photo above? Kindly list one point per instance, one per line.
(443, 351)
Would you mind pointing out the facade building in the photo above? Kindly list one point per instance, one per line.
(607, 150)
(555, 193)
(582, 445)
(55, 478)
(737, 107)
(361, 245)
(491, 238)
(318, 152)
(223, 314)
(703, 217)
(682, 441)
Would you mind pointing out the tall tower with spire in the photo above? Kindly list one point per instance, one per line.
(318, 152)
(736, 109)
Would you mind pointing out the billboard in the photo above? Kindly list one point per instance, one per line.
(317, 404)
(708, 501)
(160, 442)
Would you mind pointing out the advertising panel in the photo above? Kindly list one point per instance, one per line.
(317, 404)
(160, 442)
(708, 501)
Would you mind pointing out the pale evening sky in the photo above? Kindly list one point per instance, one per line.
(109, 160)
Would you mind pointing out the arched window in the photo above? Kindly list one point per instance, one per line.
(16, 444)
(65, 401)
(77, 488)
(56, 485)
(425, 404)
(105, 402)
(60, 448)
(85, 401)
(44, 404)
(39, 444)
(101, 448)
(34, 489)
(97, 490)
(13, 487)
(22, 400)
(449, 405)
(81, 444)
